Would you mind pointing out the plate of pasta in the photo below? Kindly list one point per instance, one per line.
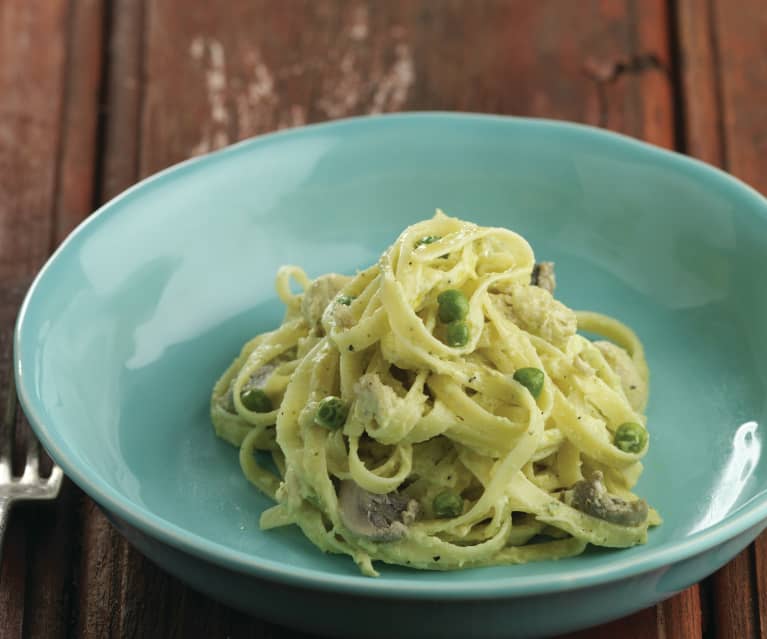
(306, 388)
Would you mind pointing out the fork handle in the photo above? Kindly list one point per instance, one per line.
(5, 511)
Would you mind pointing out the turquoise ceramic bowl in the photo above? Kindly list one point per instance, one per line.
(128, 325)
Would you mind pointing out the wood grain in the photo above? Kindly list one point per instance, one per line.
(216, 75)
(760, 577)
(80, 117)
(741, 33)
(681, 616)
(700, 107)
(724, 73)
(640, 625)
(734, 602)
(30, 111)
(30, 103)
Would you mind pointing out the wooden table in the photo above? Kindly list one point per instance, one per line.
(95, 94)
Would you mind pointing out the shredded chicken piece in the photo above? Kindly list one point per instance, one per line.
(377, 401)
(341, 316)
(536, 311)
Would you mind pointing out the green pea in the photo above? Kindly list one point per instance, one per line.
(631, 437)
(453, 306)
(447, 504)
(256, 400)
(429, 239)
(345, 300)
(457, 334)
(331, 412)
(531, 379)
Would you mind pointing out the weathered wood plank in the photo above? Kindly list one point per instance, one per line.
(700, 109)
(30, 107)
(640, 625)
(734, 604)
(724, 73)
(124, 92)
(13, 579)
(681, 616)
(655, 122)
(760, 576)
(77, 165)
(52, 533)
(741, 33)
(31, 81)
(257, 66)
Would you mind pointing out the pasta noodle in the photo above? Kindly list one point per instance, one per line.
(439, 410)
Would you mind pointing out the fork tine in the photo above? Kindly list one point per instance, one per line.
(54, 481)
(33, 456)
(7, 428)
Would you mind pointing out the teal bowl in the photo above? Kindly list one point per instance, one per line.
(128, 325)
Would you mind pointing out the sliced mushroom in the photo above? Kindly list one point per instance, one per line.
(376, 517)
(591, 497)
(375, 400)
(543, 276)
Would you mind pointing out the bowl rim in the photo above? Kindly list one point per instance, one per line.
(747, 516)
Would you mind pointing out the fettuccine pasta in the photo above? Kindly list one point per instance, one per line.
(439, 410)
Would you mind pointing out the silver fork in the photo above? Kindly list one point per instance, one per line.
(30, 486)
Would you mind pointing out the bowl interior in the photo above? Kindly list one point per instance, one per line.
(136, 316)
